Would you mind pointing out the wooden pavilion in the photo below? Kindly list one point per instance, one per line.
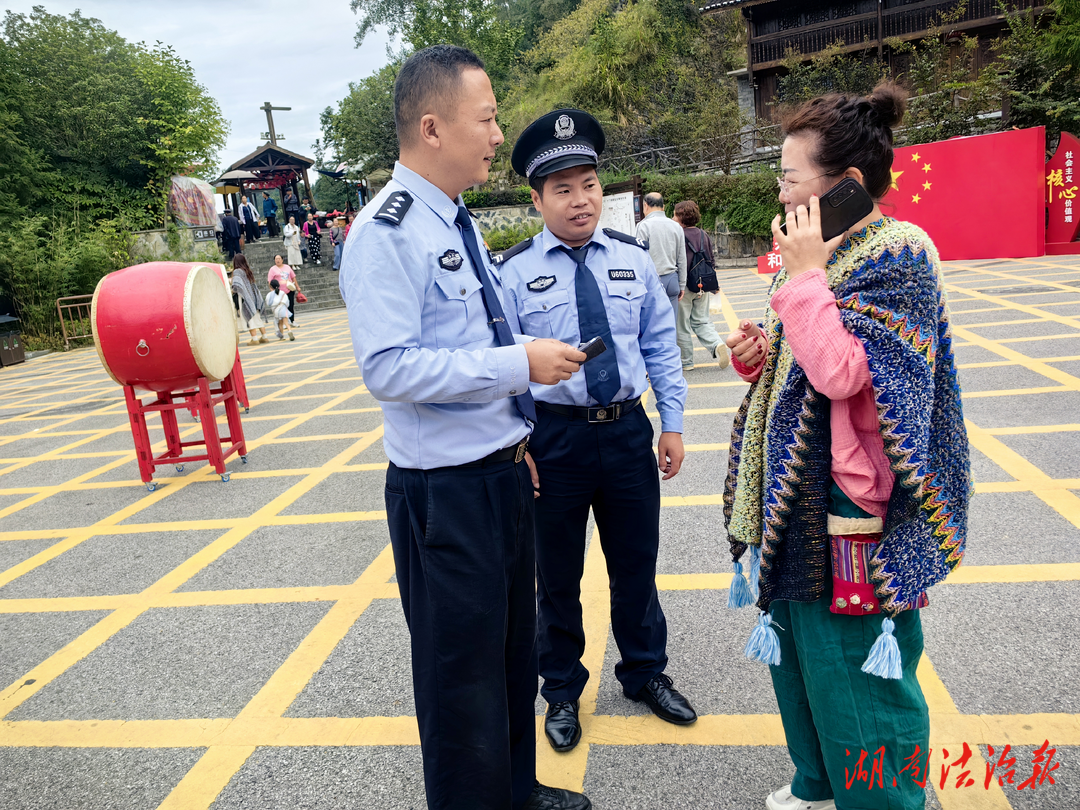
(274, 168)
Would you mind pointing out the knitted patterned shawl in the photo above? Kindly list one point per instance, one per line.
(887, 286)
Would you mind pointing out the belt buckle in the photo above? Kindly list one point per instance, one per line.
(522, 447)
(608, 414)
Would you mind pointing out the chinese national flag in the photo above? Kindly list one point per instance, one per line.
(981, 197)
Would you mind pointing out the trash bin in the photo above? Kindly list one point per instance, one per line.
(11, 345)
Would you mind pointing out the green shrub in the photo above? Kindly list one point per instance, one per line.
(747, 203)
(41, 261)
(499, 239)
(519, 195)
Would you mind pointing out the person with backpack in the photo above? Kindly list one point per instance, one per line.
(693, 313)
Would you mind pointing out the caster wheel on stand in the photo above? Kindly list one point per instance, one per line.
(179, 467)
(150, 487)
(243, 459)
(224, 478)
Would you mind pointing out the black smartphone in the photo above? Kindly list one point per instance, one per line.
(841, 207)
(592, 348)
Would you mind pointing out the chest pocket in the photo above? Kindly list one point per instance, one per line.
(460, 316)
(549, 315)
(625, 299)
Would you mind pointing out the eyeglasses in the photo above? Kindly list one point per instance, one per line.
(787, 185)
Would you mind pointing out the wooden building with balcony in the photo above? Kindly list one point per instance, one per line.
(810, 26)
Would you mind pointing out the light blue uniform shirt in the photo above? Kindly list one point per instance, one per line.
(421, 335)
(542, 289)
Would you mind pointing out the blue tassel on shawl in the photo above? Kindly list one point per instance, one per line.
(763, 645)
(739, 593)
(755, 572)
(884, 658)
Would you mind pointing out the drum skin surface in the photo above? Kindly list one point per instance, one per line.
(163, 325)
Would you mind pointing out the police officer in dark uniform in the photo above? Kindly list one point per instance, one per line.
(437, 351)
(592, 445)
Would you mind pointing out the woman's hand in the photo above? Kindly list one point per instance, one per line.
(802, 247)
(748, 344)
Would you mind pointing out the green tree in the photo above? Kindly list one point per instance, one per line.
(535, 17)
(181, 124)
(361, 131)
(948, 96)
(1041, 79)
(479, 25)
(106, 116)
(829, 71)
(653, 71)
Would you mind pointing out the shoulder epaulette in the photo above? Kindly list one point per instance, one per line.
(625, 237)
(395, 207)
(509, 253)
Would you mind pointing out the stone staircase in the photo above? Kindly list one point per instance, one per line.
(319, 282)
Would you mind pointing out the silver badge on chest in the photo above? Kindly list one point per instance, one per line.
(451, 260)
(564, 127)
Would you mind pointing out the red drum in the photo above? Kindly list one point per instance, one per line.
(163, 325)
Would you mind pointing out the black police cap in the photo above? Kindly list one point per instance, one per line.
(557, 141)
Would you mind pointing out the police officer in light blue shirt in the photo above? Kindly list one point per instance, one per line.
(592, 444)
(438, 352)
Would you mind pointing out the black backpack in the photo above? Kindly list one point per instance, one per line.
(701, 273)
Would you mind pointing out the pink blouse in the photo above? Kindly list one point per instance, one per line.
(835, 363)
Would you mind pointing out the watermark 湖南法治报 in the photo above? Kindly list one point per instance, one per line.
(869, 769)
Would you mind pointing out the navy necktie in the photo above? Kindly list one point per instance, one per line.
(602, 372)
(493, 306)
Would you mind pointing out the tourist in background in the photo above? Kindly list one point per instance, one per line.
(249, 218)
(851, 483)
(277, 302)
(692, 315)
(314, 239)
(270, 212)
(289, 283)
(231, 233)
(292, 206)
(666, 246)
(337, 237)
(291, 233)
(249, 302)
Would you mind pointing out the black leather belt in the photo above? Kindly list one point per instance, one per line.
(514, 453)
(616, 410)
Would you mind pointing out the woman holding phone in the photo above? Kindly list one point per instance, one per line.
(848, 479)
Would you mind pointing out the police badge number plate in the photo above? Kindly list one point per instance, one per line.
(451, 260)
(540, 284)
(621, 275)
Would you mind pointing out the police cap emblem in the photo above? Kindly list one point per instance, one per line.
(451, 260)
(564, 127)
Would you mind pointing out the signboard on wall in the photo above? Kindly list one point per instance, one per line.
(618, 212)
(1062, 202)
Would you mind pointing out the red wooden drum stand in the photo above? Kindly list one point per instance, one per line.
(203, 401)
(169, 328)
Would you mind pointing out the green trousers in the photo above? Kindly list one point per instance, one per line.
(832, 711)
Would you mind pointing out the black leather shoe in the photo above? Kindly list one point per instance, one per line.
(561, 725)
(665, 701)
(549, 798)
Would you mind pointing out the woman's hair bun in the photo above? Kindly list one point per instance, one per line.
(889, 101)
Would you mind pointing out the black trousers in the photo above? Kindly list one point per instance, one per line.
(251, 231)
(463, 550)
(611, 468)
(292, 306)
(271, 226)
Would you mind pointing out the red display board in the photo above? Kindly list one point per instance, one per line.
(981, 197)
(1062, 204)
